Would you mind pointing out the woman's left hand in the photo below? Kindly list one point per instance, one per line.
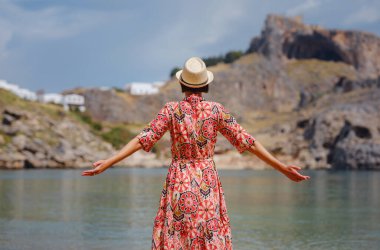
(291, 172)
(99, 168)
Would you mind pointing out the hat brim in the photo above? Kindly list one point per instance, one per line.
(210, 78)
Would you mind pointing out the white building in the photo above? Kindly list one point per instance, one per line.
(142, 88)
(20, 92)
(67, 101)
(53, 98)
(73, 101)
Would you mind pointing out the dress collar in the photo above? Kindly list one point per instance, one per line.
(194, 97)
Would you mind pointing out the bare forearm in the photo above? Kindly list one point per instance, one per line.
(259, 150)
(131, 147)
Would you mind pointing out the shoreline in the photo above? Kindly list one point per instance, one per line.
(166, 167)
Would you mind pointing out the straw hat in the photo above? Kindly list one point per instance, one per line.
(194, 73)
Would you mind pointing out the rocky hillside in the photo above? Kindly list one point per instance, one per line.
(41, 135)
(309, 94)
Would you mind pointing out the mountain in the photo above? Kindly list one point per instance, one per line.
(309, 94)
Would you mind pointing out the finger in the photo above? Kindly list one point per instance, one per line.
(97, 163)
(295, 167)
(88, 172)
(298, 175)
(304, 178)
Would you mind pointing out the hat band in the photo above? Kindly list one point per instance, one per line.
(193, 83)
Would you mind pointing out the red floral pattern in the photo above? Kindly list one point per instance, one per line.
(192, 212)
(188, 202)
(182, 182)
(207, 210)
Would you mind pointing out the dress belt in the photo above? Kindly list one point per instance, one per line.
(193, 160)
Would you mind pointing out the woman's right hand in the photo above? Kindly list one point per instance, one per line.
(291, 172)
(98, 168)
(97, 163)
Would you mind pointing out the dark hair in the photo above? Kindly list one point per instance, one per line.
(194, 90)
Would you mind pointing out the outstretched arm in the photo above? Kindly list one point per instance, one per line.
(243, 141)
(101, 165)
(145, 140)
(289, 171)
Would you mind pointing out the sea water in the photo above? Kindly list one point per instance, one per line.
(60, 209)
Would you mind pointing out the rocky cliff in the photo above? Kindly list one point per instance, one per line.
(283, 38)
(309, 94)
(40, 135)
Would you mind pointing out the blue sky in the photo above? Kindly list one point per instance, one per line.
(56, 45)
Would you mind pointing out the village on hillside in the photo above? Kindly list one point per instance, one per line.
(76, 101)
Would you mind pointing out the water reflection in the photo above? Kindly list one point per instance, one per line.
(59, 209)
(335, 210)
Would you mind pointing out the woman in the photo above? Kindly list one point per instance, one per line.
(192, 212)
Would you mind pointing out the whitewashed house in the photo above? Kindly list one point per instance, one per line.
(52, 98)
(142, 88)
(20, 92)
(74, 101)
(70, 101)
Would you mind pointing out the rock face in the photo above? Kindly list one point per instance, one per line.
(36, 139)
(109, 105)
(289, 66)
(346, 136)
(290, 38)
(309, 94)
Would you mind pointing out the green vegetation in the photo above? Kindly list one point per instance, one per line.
(213, 60)
(86, 118)
(229, 57)
(7, 139)
(173, 71)
(118, 136)
(118, 89)
(8, 98)
(232, 56)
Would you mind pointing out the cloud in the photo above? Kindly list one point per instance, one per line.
(42, 24)
(190, 32)
(366, 14)
(303, 7)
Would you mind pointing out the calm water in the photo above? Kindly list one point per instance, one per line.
(60, 209)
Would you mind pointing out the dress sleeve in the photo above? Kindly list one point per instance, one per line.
(233, 131)
(154, 130)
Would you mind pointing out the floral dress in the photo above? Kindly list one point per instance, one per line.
(192, 210)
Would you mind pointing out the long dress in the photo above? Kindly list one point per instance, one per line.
(192, 211)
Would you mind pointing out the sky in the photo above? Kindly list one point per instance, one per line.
(55, 45)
